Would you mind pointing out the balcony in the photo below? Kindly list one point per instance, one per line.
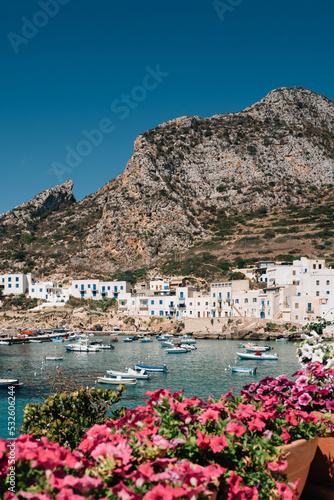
(181, 306)
(143, 307)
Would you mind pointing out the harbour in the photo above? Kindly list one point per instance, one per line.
(202, 372)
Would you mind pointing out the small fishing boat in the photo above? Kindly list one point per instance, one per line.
(258, 355)
(114, 339)
(149, 368)
(5, 342)
(146, 340)
(109, 347)
(83, 345)
(54, 358)
(58, 339)
(282, 339)
(176, 350)
(189, 347)
(257, 348)
(128, 339)
(5, 382)
(35, 341)
(167, 343)
(243, 369)
(117, 380)
(130, 373)
(187, 340)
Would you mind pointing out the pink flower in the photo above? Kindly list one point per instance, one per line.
(122, 492)
(277, 466)
(256, 424)
(284, 491)
(84, 484)
(203, 441)
(236, 429)
(285, 435)
(208, 415)
(68, 494)
(160, 492)
(305, 399)
(32, 496)
(330, 405)
(218, 443)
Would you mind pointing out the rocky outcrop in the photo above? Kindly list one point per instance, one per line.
(186, 181)
(49, 200)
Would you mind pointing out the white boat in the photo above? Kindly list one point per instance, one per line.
(83, 345)
(167, 343)
(257, 355)
(74, 336)
(104, 347)
(117, 380)
(54, 358)
(5, 382)
(128, 339)
(282, 339)
(35, 341)
(189, 347)
(130, 373)
(176, 350)
(186, 340)
(58, 339)
(5, 342)
(243, 369)
(254, 347)
(149, 368)
(146, 339)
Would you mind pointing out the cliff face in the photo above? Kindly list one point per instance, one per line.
(189, 177)
(49, 200)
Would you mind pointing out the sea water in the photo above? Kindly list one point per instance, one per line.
(202, 372)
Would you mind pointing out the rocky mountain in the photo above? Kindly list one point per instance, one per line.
(241, 185)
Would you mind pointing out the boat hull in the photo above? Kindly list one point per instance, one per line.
(117, 381)
(260, 356)
(151, 368)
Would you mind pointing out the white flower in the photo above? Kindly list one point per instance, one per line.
(307, 351)
(318, 356)
(330, 364)
(306, 337)
(314, 334)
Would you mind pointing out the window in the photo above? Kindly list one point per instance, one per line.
(3, 280)
(327, 282)
(122, 287)
(236, 301)
(327, 293)
(294, 273)
(160, 302)
(171, 304)
(152, 302)
(317, 282)
(16, 279)
(94, 287)
(314, 266)
(103, 289)
(220, 295)
(214, 304)
(9, 280)
(214, 295)
(161, 313)
(181, 295)
(152, 313)
(246, 301)
(296, 317)
(309, 306)
(108, 287)
(41, 290)
(255, 299)
(88, 286)
(32, 290)
(296, 306)
(317, 294)
(206, 303)
(9, 286)
(320, 266)
(76, 286)
(190, 303)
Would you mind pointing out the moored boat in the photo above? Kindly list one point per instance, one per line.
(176, 350)
(54, 358)
(146, 339)
(257, 348)
(35, 341)
(130, 373)
(117, 380)
(258, 355)
(83, 345)
(103, 347)
(243, 369)
(5, 342)
(128, 339)
(149, 368)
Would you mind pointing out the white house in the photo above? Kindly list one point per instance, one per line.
(15, 283)
(96, 289)
(49, 291)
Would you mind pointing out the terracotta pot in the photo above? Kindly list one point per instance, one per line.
(299, 454)
(322, 466)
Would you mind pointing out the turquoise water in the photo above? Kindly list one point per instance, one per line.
(202, 372)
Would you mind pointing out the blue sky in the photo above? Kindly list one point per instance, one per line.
(66, 65)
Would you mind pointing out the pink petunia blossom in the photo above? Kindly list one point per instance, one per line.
(160, 492)
(208, 414)
(304, 400)
(218, 443)
(284, 491)
(285, 435)
(256, 424)
(236, 429)
(203, 440)
(277, 466)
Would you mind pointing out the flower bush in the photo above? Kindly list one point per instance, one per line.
(314, 350)
(174, 447)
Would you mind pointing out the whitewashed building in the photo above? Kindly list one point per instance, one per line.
(15, 283)
(49, 291)
(96, 289)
